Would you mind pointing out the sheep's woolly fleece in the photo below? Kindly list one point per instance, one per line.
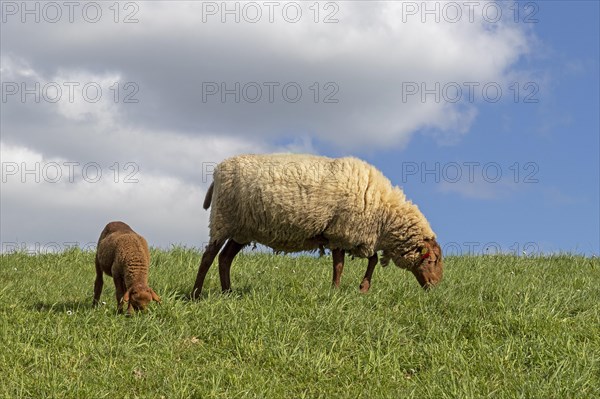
(298, 202)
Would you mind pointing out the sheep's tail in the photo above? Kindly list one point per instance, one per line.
(208, 198)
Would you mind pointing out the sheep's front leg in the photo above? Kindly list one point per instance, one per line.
(366, 282)
(98, 284)
(208, 257)
(232, 248)
(338, 266)
(119, 291)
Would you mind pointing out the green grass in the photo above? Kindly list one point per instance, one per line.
(498, 327)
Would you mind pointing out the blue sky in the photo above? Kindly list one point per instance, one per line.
(152, 152)
(560, 134)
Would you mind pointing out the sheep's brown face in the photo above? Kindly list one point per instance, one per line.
(139, 297)
(426, 265)
(430, 267)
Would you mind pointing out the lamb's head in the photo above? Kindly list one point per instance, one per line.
(425, 262)
(138, 297)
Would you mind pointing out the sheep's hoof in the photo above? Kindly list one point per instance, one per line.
(196, 293)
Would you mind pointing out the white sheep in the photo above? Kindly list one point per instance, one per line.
(123, 254)
(303, 202)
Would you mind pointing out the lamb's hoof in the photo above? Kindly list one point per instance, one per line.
(364, 287)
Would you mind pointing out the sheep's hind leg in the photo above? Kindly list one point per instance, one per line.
(338, 266)
(98, 284)
(208, 257)
(366, 282)
(232, 248)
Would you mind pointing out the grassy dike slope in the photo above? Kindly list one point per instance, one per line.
(498, 326)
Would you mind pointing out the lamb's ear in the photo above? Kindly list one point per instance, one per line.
(126, 296)
(154, 296)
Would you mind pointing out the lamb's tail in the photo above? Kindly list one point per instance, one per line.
(208, 198)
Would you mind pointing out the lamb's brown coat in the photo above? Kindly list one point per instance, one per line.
(302, 202)
(123, 254)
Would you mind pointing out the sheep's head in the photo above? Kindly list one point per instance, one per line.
(425, 263)
(429, 267)
(138, 297)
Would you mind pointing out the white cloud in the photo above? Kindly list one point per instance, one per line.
(170, 133)
(480, 189)
(156, 181)
(43, 206)
(368, 56)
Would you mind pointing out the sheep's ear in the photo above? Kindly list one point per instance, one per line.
(154, 296)
(126, 297)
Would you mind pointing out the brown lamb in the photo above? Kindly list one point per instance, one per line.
(123, 254)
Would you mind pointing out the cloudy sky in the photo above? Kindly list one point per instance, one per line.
(485, 113)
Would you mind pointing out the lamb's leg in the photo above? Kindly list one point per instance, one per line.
(119, 291)
(209, 255)
(366, 282)
(98, 284)
(232, 248)
(338, 266)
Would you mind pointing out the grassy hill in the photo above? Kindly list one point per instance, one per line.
(497, 326)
